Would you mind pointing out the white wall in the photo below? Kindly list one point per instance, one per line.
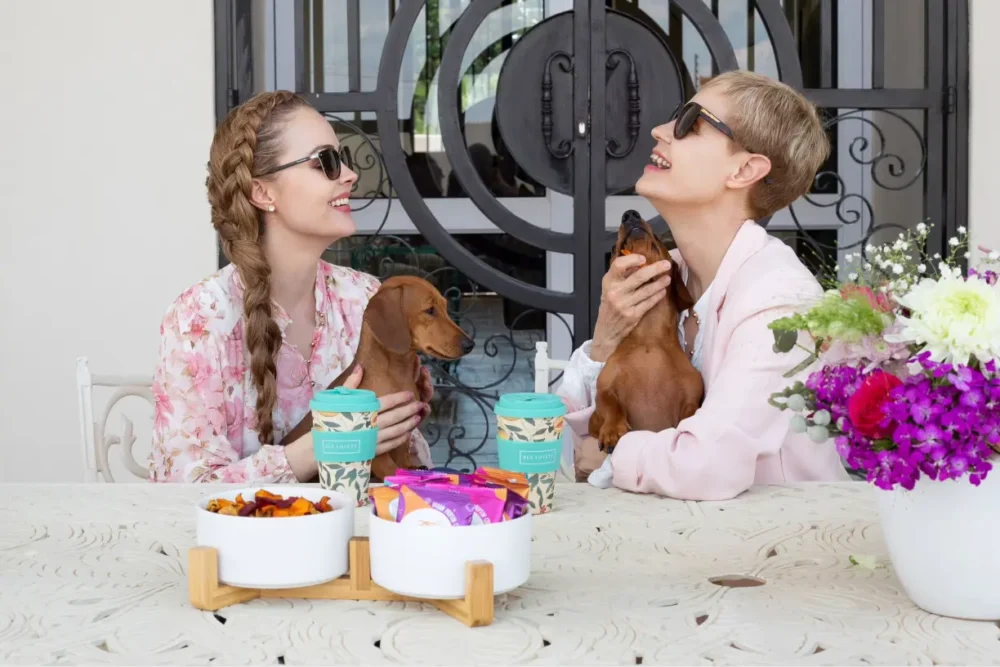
(984, 144)
(106, 116)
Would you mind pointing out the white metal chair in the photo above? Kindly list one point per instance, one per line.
(96, 440)
(543, 366)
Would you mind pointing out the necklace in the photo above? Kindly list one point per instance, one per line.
(697, 320)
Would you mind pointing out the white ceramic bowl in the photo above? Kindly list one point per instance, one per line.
(429, 561)
(283, 552)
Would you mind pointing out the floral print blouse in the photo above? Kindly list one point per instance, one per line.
(205, 415)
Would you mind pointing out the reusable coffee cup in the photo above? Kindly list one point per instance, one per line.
(529, 441)
(344, 433)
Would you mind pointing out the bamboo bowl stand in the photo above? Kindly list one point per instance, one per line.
(208, 594)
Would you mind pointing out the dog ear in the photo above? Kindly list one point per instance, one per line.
(679, 291)
(387, 319)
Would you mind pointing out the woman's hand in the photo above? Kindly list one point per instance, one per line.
(425, 390)
(627, 293)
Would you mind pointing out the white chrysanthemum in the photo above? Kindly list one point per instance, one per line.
(955, 319)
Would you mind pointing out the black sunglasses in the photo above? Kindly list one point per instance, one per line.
(330, 159)
(688, 114)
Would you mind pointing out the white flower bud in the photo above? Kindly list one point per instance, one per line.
(961, 230)
(818, 434)
(796, 402)
(897, 269)
(953, 242)
(798, 424)
(852, 276)
(822, 417)
(921, 227)
(922, 268)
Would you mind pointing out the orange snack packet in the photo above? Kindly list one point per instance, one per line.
(515, 481)
(385, 501)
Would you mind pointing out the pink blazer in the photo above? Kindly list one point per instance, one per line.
(735, 439)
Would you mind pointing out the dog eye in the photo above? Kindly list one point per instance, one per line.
(430, 311)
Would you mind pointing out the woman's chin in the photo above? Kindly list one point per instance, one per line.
(341, 225)
(647, 187)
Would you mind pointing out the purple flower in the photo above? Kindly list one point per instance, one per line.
(941, 423)
(930, 435)
(963, 378)
(924, 409)
(972, 398)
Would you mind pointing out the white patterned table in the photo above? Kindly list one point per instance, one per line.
(96, 574)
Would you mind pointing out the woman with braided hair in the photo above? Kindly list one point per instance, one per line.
(243, 351)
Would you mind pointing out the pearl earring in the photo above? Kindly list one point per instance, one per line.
(271, 208)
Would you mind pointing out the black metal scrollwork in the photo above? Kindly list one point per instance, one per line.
(565, 148)
(389, 255)
(612, 146)
(853, 208)
(367, 157)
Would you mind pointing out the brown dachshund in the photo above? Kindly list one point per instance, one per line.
(648, 382)
(407, 315)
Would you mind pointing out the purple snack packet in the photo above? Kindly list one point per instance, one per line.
(397, 480)
(515, 507)
(487, 504)
(434, 506)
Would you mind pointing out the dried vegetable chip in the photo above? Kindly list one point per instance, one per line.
(267, 504)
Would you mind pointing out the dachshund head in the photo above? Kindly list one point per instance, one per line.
(636, 237)
(409, 314)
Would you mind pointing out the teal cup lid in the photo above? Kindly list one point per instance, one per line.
(530, 405)
(343, 399)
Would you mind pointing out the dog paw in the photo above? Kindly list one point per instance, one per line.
(610, 434)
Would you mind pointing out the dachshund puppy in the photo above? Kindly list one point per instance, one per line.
(648, 382)
(407, 315)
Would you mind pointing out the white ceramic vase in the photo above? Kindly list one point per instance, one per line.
(944, 542)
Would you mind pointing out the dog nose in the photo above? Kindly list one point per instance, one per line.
(467, 345)
(632, 220)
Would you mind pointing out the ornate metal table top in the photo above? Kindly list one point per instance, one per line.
(96, 574)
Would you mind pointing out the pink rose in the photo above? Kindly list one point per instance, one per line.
(876, 300)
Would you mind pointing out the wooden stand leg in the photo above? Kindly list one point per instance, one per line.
(476, 609)
(206, 593)
(204, 588)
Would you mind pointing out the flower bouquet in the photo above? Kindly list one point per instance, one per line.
(908, 388)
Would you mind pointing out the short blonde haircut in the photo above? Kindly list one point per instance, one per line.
(773, 119)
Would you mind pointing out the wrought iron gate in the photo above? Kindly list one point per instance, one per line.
(579, 92)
